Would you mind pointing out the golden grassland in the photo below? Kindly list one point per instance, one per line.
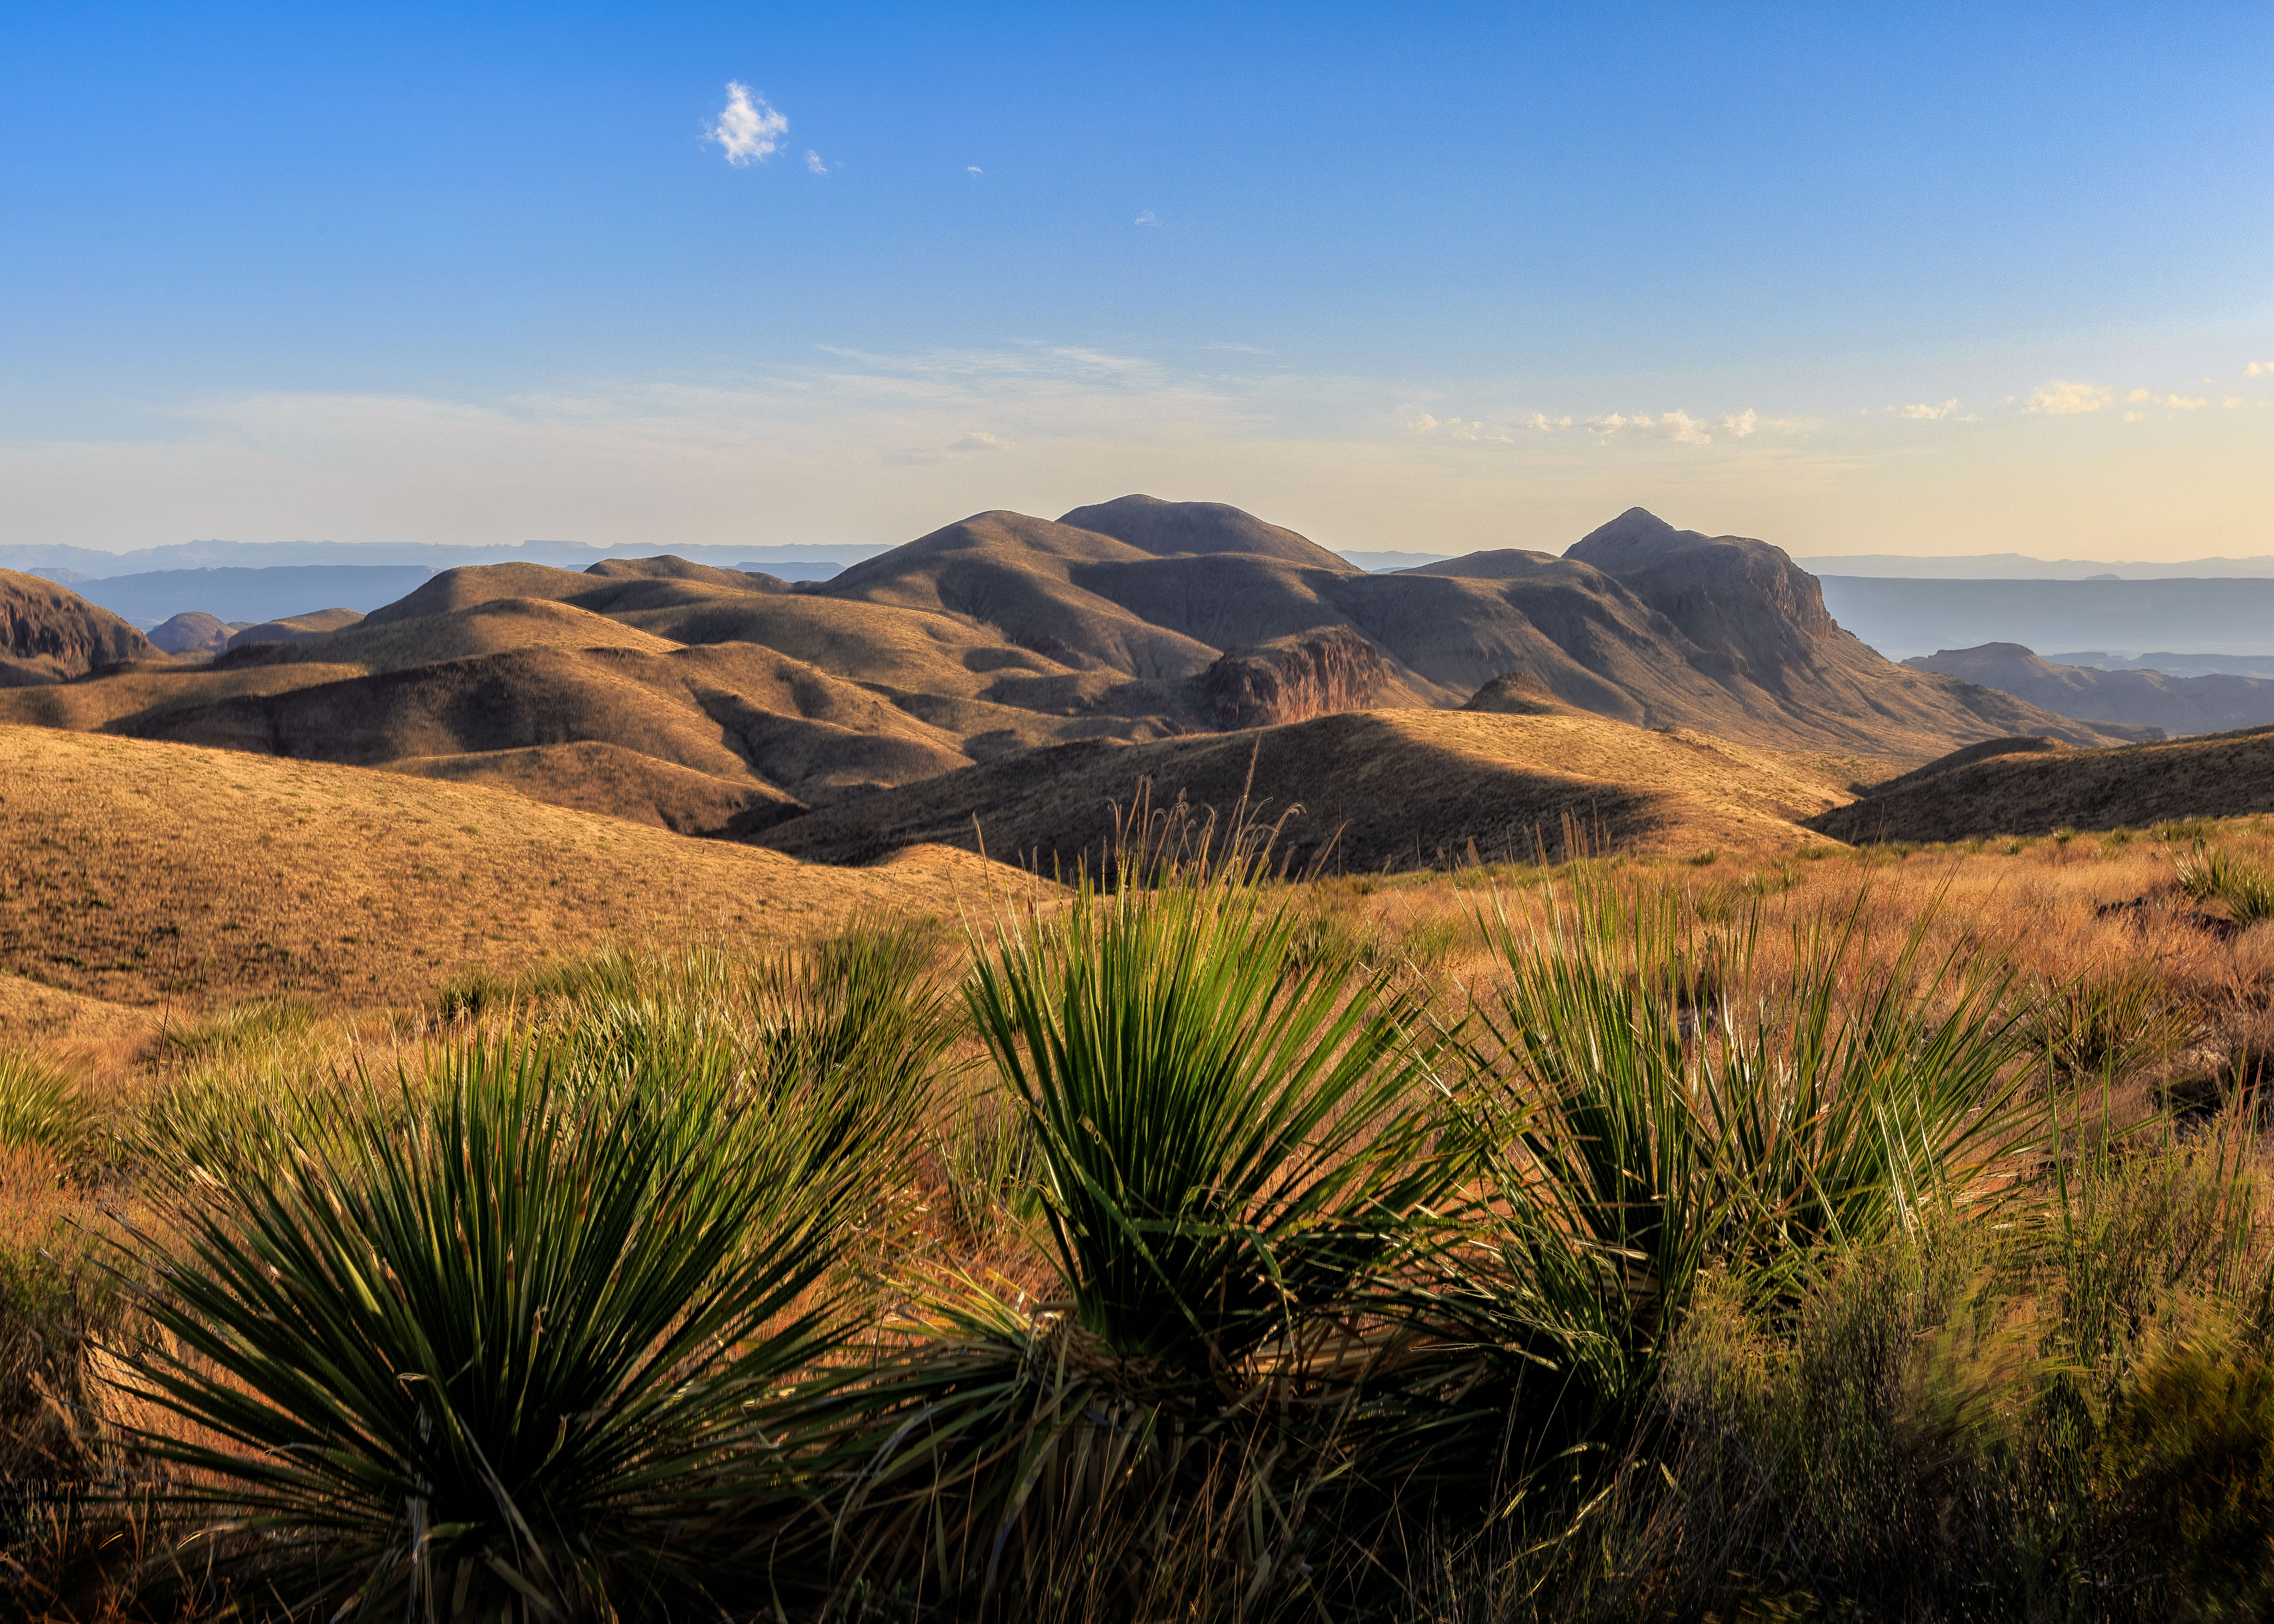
(171, 878)
(2158, 991)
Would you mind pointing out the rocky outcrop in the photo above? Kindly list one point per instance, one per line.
(50, 633)
(1294, 679)
(1749, 609)
(1517, 693)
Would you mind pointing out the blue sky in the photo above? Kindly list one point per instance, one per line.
(1931, 279)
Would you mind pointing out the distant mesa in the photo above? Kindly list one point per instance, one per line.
(48, 633)
(2178, 705)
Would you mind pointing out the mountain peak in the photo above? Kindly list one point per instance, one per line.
(1163, 528)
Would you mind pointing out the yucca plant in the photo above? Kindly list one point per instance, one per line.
(1233, 1141)
(1634, 1139)
(505, 1341)
(2209, 874)
(41, 1109)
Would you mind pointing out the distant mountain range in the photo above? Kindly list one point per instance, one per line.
(73, 565)
(1904, 618)
(2178, 705)
(2021, 567)
(945, 682)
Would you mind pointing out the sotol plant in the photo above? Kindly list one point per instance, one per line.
(519, 1339)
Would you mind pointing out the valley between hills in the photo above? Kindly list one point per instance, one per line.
(510, 760)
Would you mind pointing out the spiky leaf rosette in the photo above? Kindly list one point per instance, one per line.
(505, 1342)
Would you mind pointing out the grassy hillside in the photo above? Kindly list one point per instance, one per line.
(1374, 790)
(159, 874)
(2029, 793)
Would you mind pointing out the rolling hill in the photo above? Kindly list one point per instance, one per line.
(49, 634)
(2036, 790)
(710, 701)
(1362, 791)
(150, 874)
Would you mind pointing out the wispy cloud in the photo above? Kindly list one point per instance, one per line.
(1148, 218)
(813, 162)
(973, 169)
(2259, 368)
(2175, 402)
(1928, 414)
(2063, 398)
(749, 130)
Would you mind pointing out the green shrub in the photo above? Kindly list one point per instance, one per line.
(1231, 1146)
(516, 1339)
(1642, 1124)
(40, 1109)
(2213, 874)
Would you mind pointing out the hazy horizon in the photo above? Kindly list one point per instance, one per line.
(1935, 284)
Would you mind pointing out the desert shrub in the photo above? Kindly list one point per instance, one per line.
(1633, 1143)
(269, 1023)
(2105, 1026)
(1427, 943)
(518, 1338)
(2215, 875)
(41, 1109)
(1228, 1158)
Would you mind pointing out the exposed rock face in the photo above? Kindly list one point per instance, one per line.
(1294, 679)
(1749, 609)
(50, 633)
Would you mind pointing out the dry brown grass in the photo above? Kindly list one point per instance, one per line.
(177, 878)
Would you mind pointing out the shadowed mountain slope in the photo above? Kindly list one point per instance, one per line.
(1382, 789)
(2204, 704)
(49, 634)
(2034, 792)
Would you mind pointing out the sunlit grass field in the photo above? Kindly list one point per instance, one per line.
(1862, 1234)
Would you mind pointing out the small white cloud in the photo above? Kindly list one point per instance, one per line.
(2232, 401)
(1540, 422)
(2135, 416)
(2259, 368)
(1929, 414)
(2181, 403)
(1742, 424)
(978, 440)
(2137, 394)
(749, 130)
(813, 162)
(1148, 218)
(1456, 428)
(973, 169)
(2065, 399)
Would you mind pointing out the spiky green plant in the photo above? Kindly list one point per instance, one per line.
(1641, 1125)
(2214, 875)
(505, 1342)
(41, 1109)
(1233, 1141)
